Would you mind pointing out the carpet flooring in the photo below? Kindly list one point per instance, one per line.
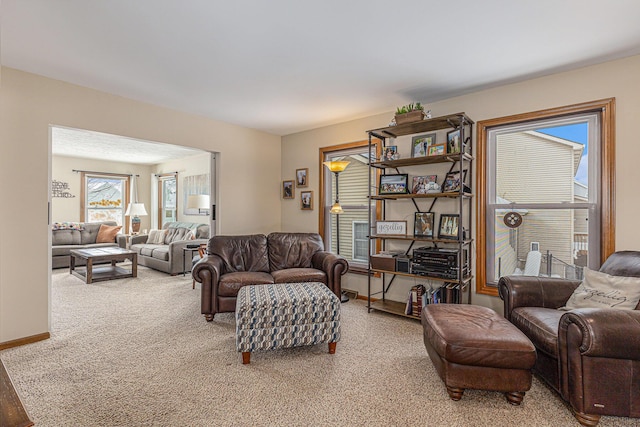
(137, 352)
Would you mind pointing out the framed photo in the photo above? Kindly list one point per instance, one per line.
(306, 200)
(391, 228)
(287, 190)
(449, 226)
(421, 143)
(302, 177)
(453, 141)
(393, 184)
(420, 183)
(452, 181)
(436, 150)
(390, 153)
(423, 224)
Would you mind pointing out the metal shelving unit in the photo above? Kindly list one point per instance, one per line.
(377, 300)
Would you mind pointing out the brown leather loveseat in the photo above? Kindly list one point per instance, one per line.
(590, 356)
(232, 262)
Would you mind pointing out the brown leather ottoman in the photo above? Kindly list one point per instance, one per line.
(474, 347)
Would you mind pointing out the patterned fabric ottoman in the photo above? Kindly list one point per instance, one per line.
(286, 315)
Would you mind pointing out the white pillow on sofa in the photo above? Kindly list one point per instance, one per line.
(156, 237)
(601, 290)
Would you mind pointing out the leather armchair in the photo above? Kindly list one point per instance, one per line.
(232, 262)
(591, 357)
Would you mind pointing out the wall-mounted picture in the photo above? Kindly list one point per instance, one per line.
(302, 177)
(391, 228)
(393, 184)
(420, 144)
(306, 200)
(287, 190)
(436, 150)
(449, 226)
(421, 183)
(390, 153)
(452, 181)
(195, 185)
(453, 141)
(423, 224)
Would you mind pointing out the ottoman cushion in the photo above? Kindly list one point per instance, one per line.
(477, 336)
(285, 315)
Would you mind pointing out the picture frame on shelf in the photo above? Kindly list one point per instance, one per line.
(390, 153)
(423, 224)
(391, 228)
(306, 200)
(436, 150)
(449, 226)
(393, 183)
(421, 183)
(421, 143)
(452, 181)
(302, 177)
(287, 189)
(453, 142)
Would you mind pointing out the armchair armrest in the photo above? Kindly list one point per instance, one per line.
(121, 240)
(207, 271)
(334, 266)
(530, 291)
(601, 332)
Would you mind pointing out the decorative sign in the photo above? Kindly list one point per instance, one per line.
(60, 189)
(512, 219)
(391, 228)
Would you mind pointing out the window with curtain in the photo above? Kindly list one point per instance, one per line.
(105, 197)
(545, 193)
(347, 233)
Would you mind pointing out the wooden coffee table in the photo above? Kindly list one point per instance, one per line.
(93, 273)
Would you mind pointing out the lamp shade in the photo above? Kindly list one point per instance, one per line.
(337, 166)
(136, 209)
(198, 201)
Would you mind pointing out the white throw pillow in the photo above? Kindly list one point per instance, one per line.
(601, 290)
(156, 237)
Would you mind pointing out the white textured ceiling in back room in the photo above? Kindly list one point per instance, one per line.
(97, 145)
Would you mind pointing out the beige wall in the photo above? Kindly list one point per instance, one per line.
(68, 209)
(249, 172)
(617, 79)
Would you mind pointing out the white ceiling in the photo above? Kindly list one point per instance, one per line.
(284, 66)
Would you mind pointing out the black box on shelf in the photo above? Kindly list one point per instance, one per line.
(403, 264)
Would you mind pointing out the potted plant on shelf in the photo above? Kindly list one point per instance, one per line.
(409, 113)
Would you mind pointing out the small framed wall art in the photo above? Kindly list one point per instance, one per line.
(436, 150)
(306, 200)
(453, 141)
(420, 144)
(302, 177)
(287, 190)
(393, 184)
(423, 224)
(449, 226)
(391, 228)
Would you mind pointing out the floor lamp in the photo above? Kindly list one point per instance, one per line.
(336, 167)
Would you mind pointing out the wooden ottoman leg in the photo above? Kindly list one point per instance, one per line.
(332, 347)
(514, 397)
(455, 393)
(246, 357)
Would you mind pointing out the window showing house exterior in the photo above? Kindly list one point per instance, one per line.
(105, 198)
(347, 233)
(543, 205)
(167, 199)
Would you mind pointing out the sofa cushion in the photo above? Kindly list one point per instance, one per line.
(156, 237)
(67, 226)
(65, 237)
(107, 233)
(602, 290)
(293, 275)
(230, 283)
(241, 253)
(90, 232)
(153, 251)
(292, 250)
(177, 234)
(540, 325)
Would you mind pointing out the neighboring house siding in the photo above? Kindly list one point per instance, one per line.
(534, 153)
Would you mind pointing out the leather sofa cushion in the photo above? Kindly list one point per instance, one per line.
(540, 325)
(241, 253)
(476, 336)
(293, 275)
(292, 250)
(230, 283)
